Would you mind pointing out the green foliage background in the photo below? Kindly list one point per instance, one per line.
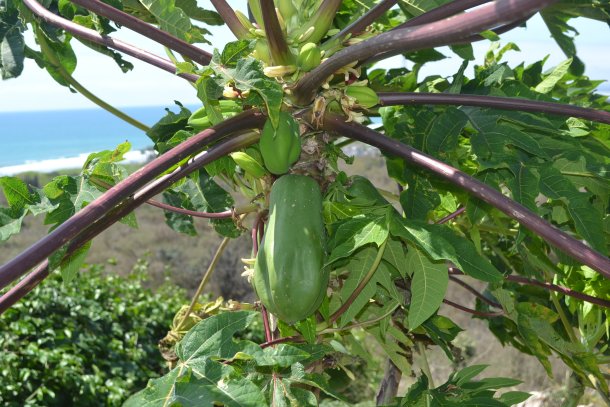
(91, 342)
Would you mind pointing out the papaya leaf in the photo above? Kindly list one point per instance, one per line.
(10, 222)
(173, 20)
(248, 77)
(234, 51)
(358, 267)
(442, 137)
(549, 82)
(395, 255)
(441, 243)
(16, 193)
(195, 12)
(169, 124)
(203, 194)
(177, 221)
(356, 233)
(467, 373)
(12, 43)
(158, 392)
(208, 91)
(282, 355)
(587, 221)
(428, 287)
(213, 383)
(71, 265)
(212, 337)
(70, 195)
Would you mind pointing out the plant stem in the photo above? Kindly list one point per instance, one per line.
(496, 102)
(52, 58)
(425, 367)
(563, 317)
(197, 214)
(281, 340)
(600, 390)
(367, 19)
(359, 324)
(278, 48)
(444, 11)
(451, 216)
(87, 34)
(554, 236)
(265, 315)
(475, 292)
(204, 281)
(360, 286)
(206, 215)
(553, 287)
(388, 388)
(196, 54)
(229, 17)
(473, 311)
(574, 389)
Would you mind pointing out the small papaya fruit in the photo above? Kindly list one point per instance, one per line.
(281, 146)
(365, 96)
(309, 57)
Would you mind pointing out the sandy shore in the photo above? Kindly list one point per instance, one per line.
(45, 166)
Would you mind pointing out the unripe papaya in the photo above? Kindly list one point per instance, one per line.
(309, 57)
(289, 277)
(281, 146)
(365, 96)
(199, 120)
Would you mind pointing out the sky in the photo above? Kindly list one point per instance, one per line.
(149, 86)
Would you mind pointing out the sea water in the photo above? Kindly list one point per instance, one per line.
(51, 140)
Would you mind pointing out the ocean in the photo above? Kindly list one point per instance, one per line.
(50, 140)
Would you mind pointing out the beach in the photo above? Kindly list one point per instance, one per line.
(68, 163)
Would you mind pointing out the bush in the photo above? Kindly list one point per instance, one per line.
(90, 342)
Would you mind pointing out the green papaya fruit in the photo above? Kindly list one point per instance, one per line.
(281, 146)
(289, 277)
(309, 57)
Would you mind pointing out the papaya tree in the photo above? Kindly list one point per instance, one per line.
(502, 179)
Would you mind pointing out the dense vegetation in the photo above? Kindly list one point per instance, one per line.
(90, 342)
(502, 177)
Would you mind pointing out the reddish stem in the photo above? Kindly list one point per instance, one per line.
(171, 208)
(549, 286)
(268, 333)
(281, 340)
(441, 12)
(280, 54)
(519, 104)
(472, 311)
(229, 17)
(196, 214)
(367, 19)
(475, 292)
(451, 216)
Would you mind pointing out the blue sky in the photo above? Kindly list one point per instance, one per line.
(149, 86)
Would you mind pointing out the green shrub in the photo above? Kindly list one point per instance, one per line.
(90, 342)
